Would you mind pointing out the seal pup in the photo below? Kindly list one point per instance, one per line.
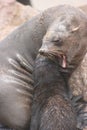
(17, 55)
(52, 108)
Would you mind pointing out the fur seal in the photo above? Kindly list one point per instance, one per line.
(18, 52)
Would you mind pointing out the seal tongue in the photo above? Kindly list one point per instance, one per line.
(64, 61)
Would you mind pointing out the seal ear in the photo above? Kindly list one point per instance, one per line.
(75, 29)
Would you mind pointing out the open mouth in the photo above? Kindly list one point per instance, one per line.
(55, 56)
(63, 61)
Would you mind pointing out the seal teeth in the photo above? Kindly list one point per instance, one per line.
(62, 58)
(64, 61)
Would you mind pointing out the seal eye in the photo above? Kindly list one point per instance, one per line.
(58, 42)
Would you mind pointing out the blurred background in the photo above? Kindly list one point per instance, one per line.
(15, 12)
(43, 4)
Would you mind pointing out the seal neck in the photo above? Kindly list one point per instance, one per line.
(48, 77)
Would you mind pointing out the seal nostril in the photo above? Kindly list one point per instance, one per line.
(41, 52)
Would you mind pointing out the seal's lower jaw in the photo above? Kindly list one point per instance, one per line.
(59, 58)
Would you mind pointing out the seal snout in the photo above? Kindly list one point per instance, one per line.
(43, 50)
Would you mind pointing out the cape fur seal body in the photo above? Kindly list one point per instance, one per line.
(18, 52)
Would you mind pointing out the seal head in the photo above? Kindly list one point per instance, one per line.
(65, 41)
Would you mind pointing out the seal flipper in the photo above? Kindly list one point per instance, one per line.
(80, 105)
